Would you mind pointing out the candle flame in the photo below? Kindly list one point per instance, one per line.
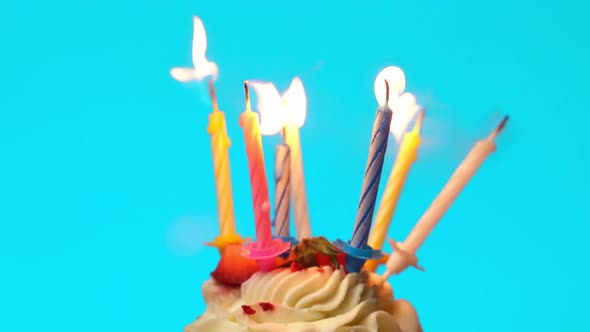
(275, 110)
(404, 109)
(295, 102)
(396, 80)
(392, 93)
(201, 66)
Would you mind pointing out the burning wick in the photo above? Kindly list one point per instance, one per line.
(247, 91)
(213, 96)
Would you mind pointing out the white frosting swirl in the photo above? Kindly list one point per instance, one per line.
(309, 300)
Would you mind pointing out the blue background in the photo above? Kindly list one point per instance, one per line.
(106, 187)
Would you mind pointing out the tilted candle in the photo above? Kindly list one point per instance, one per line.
(408, 153)
(220, 144)
(282, 190)
(356, 250)
(249, 122)
(404, 254)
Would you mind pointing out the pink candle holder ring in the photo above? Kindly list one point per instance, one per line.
(266, 253)
(289, 239)
(356, 257)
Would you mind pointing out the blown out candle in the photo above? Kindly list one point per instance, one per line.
(404, 254)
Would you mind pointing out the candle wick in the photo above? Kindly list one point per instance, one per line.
(418, 124)
(213, 96)
(500, 127)
(247, 91)
(386, 92)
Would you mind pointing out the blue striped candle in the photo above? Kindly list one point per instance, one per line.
(372, 178)
(282, 190)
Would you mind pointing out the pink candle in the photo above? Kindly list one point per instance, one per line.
(250, 124)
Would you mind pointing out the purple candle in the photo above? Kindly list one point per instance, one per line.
(282, 190)
(372, 178)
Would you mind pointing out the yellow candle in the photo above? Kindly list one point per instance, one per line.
(408, 153)
(220, 144)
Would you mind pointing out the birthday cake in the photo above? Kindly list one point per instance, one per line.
(309, 292)
(304, 283)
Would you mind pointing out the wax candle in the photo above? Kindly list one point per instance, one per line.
(295, 101)
(372, 177)
(250, 124)
(406, 156)
(282, 190)
(220, 144)
(404, 254)
(287, 113)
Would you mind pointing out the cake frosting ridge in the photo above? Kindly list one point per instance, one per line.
(314, 299)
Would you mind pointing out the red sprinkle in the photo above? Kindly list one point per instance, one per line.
(248, 310)
(322, 269)
(295, 266)
(267, 306)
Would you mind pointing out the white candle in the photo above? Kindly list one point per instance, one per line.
(404, 254)
(298, 193)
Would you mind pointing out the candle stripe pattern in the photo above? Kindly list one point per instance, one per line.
(406, 156)
(282, 188)
(249, 121)
(220, 144)
(372, 178)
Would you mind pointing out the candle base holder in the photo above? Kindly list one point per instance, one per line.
(400, 260)
(356, 257)
(266, 253)
(223, 241)
(289, 239)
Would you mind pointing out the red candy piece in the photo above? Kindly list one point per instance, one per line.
(248, 310)
(324, 260)
(295, 266)
(233, 268)
(267, 306)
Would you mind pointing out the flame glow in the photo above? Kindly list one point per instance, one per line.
(404, 110)
(397, 84)
(201, 66)
(269, 105)
(295, 102)
(275, 110)
(403, 104)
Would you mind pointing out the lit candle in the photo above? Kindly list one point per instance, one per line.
(404, 254)
(295, 103)
(287, 112)
(265, 249)
(408, 153)
(220, 144)
(282, 190)
(356, 249)
(372, 174)
(219, 140)
(250, 124)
